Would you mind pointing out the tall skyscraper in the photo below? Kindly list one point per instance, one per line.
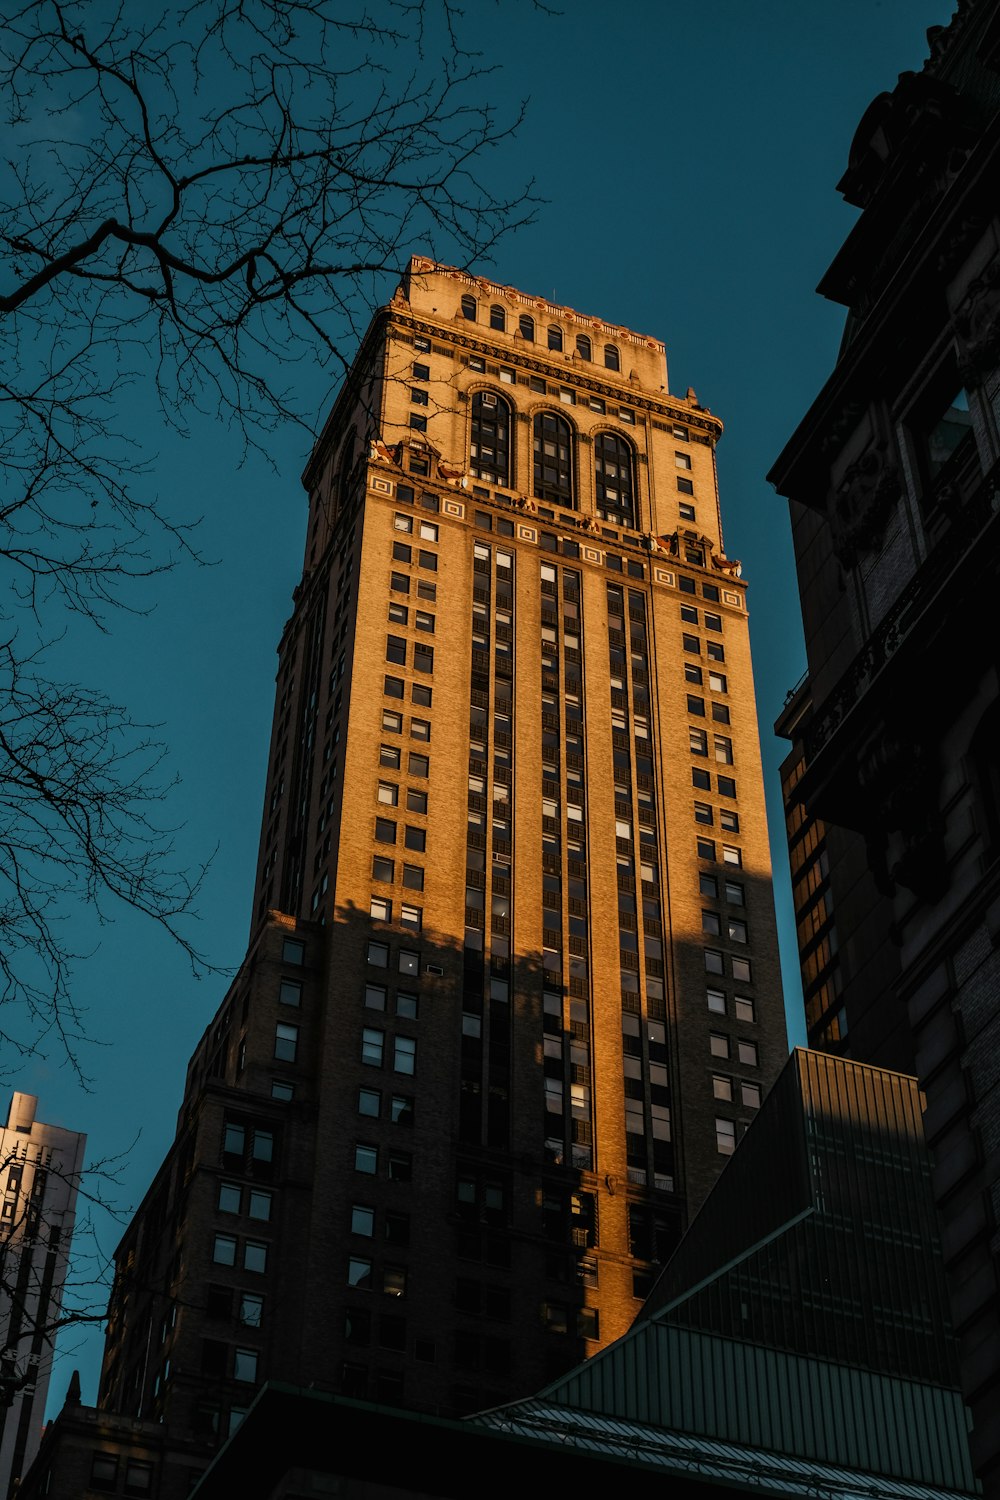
(40, 1168)
(892, 478)
(512, 993)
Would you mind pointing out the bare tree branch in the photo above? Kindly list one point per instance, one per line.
(204, 200)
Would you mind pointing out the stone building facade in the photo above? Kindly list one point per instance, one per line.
(512, 993)
(892, 480)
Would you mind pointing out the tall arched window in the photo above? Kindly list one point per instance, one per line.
(583, 346)
(555, 336)
(614, 474)
(498, 318)
(611, 357)
(553, 459)
(526, 323)
(489, 452)
(469, 307)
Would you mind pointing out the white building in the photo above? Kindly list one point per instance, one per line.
(40, 1167)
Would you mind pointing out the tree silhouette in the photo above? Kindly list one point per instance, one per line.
(201, 200)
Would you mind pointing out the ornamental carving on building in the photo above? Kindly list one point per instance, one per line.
(860, 507)
(977, 324)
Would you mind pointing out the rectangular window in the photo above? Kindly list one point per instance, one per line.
(706, 849)
(399, 582)
(395, 650)
(717, 682)
(413, 877)
(745, 1009)
(366, 1159)
(712, 622)
(684, 485)
(716, 1002)
(682, 460)
(737, 931)
(392, 687)
(701, 779)
(388, 793)
(375, 996)
(692, 673)
(418, 397)
(251, 1313)
(259, 1204)
(420, 694)
(409, 962)
(369, 1103)
(686, 511)
(419, 765)
(713, 961)
(696, 705)
(293, 952)
(402, 523)
(224, 1250)
(362, 1220)
(424, 620)
(405, 1055)
(406, 1005)
(727, 786)
(418, 421)
(720, 713)
(718, 1044)
(703, 812)
(725, 1137)
(402, 552)
(421, 372)
(420, 729)
(428, 560)
(748, 1053)
(371, 1047)
(750, 1095)
(286, 1042)
(723, 749)
(254, 1256)
(722, 1088)
(359, 1273)
(415, 838)
(689, 614)
(380, 909)
(729, 820)
(388, 755)
(412, 917)
(741, 970)
(383, 869)
(385, 831)
(732, 855)
(416, 801)
(392, 722)
(711, 922)
(716, 650)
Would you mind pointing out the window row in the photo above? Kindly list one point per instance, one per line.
(554, 337)
(747, 1052)
(739, 967)
(744, 1008)
(226, 1252)
(373, 1049)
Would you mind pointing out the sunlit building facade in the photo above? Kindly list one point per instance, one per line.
(40, 1167)
(512, 991)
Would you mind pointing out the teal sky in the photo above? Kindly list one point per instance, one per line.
(688, 157)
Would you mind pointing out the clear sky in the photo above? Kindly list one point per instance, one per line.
(688, 156)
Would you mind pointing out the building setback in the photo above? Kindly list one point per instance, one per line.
(40, 1168)
(512, 990)
(892, 788)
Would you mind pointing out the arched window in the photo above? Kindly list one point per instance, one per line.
(469, 307)
(611, 357)
(614, 474)
(526, 323)
(583, 346)
(553, 459)
(498, 318)
(555, 336)
(489, 453)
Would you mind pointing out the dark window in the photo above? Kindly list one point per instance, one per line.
(490, 442)
(498, 318)
(611, 357)
(469, 308)
(527, 326)
(583, 347)
(553, 459)
(555, 336)
(614, 473)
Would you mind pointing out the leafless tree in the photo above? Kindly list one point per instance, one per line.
(202, 199)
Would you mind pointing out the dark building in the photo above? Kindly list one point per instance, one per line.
(892, 484)
(797, 1342)
(512, 991)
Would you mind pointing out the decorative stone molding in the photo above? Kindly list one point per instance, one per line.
(860, 507)
(977, 324)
